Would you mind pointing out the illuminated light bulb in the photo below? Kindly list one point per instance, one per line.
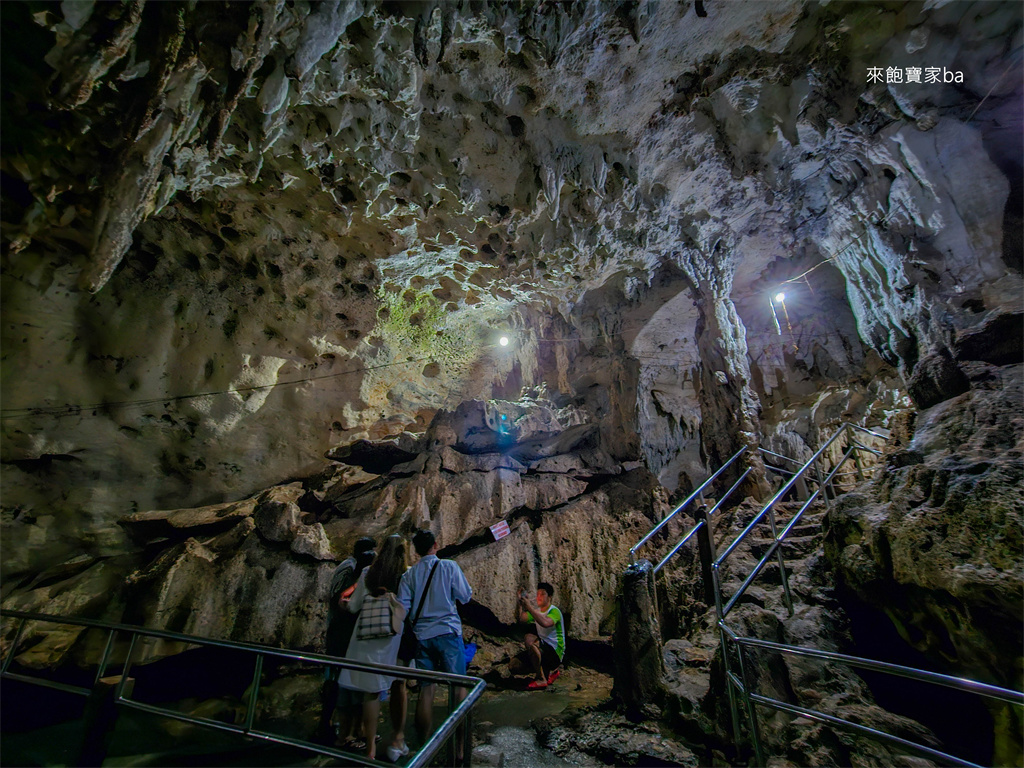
(503, 341)
(780, 297)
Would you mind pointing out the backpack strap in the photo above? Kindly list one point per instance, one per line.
(423, 597)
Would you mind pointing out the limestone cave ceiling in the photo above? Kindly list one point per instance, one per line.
(322, 213)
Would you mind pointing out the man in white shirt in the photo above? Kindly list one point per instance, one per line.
(438, 627)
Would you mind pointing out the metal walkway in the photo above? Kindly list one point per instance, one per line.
(111, 691)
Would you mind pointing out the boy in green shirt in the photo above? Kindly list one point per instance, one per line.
(544, 650)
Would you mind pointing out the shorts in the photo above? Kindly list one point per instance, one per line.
(442, 654)
(549, 660)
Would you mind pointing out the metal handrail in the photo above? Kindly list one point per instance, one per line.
(849, 725)
(865, 430)
(777, 455)
(786, 488)
(689, 535)
(697, 493)
(710, 512)
(778, 540)
(753, 699)
(922, 675)
(866, 448)
(971, 686)
(421, 758)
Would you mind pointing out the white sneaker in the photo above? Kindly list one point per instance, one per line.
(397, 753)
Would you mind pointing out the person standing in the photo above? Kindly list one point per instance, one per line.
(438, 628)
(340, 622)
(545, 650)
(380, 581)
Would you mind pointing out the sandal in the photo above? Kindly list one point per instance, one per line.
(537, 684)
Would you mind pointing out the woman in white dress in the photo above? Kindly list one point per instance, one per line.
(379, 580)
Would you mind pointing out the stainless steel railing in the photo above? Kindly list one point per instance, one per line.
(697, 494)
(738, 680)
(963, 684)
(459, 712)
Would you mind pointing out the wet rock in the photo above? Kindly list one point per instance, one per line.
(341, 483)
(312, 540)
(262, 595)
(485, 754)
(616, 740)
(454, 461)
(581, 549)
(277, 515)
(961, 504)
(94, 592)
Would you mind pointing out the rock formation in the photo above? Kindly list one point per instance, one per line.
(236, 237)
(937, 543)
(257, 570)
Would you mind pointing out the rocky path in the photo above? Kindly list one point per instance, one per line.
(695, 676)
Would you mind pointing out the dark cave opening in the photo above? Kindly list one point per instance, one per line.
(959, 720)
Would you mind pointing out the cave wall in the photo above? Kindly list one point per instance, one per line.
(237, 237)
(257, 570)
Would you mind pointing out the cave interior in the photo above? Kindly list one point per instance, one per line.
(280, 274)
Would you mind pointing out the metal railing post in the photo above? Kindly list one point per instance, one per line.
(102, 668)
(723, 640)
(467, 735)
(782, 564)
(121, 688)
(250, 710)
(706, 551)
(14, 645)
(755, 730)
(856, 455)
(821, 483)
(127, 666)
(99, 720)
(713, 595)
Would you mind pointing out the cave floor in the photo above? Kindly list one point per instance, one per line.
(503, 720)
(503, 732)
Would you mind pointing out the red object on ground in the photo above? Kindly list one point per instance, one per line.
(554, 676)
(536, 684)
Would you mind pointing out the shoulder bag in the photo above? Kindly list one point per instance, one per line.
(409, 645)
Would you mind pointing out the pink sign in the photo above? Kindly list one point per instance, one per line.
(500, 530)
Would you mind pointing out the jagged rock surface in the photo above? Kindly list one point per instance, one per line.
(305, 225)
(258, 570)
(936, 544)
